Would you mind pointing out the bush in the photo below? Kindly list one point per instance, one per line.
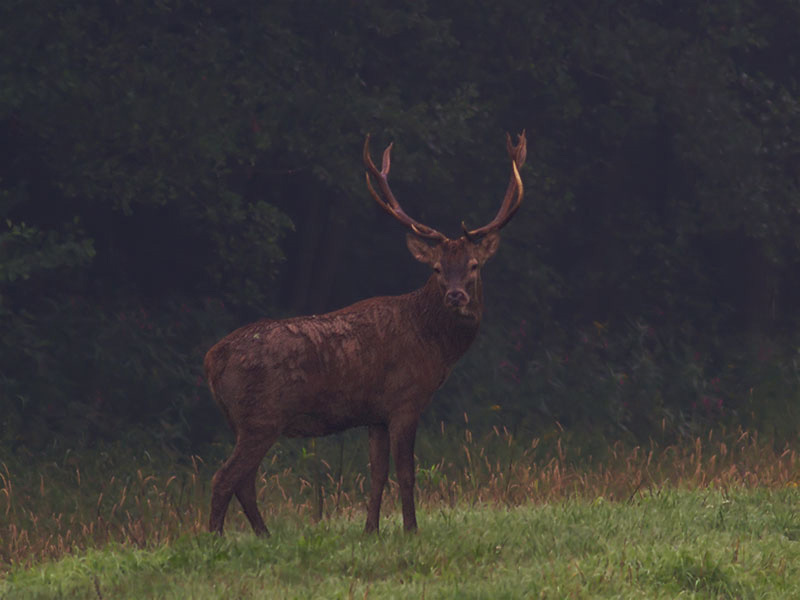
(629, 379)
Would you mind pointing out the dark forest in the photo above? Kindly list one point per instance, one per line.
(170, 171)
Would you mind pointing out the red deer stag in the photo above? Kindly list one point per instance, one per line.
(376, 363)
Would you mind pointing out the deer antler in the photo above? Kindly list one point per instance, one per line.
(388, 203)
(510, 203)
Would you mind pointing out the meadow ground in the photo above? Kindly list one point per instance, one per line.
(500, 517)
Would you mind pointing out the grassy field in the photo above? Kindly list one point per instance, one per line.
(715, 517)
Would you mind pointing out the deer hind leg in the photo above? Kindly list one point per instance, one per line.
(246, 494)
(378, 473)
(402, 435)
(238, 475)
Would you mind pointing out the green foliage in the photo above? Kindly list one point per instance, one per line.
(100, 373)
(27, 250)
(632, 380)
(154, 157)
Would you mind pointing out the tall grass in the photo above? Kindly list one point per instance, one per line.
(135, 499)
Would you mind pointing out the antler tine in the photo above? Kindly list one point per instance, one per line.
(511, 201)
(388, 202)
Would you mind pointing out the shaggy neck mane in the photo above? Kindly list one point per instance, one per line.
(438, 325)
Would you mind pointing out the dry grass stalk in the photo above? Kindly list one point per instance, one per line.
(39, 523)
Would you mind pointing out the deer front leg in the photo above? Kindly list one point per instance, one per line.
(402, 435)
(378, 473)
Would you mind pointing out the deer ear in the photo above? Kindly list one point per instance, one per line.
(421, 250)
(487, 247)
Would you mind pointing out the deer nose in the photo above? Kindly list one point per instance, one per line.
(456, 298)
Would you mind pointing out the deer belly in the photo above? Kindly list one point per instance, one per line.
(323, 414)
(316, 425)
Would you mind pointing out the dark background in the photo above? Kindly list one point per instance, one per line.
(172, 170)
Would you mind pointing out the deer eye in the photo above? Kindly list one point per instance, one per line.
(473, 267)
(437, 269)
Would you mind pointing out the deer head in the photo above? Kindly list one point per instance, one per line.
(456, 263)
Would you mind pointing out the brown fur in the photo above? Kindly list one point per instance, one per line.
(373, 364)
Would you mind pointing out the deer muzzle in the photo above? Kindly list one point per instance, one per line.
(456, 298)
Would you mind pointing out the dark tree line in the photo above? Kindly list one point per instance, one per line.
(169, 171)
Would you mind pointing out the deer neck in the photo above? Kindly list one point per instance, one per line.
(439, 326)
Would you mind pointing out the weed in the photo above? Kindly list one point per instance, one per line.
(52, 508)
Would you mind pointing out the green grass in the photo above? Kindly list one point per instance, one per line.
(500, 516)
(662, 544)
